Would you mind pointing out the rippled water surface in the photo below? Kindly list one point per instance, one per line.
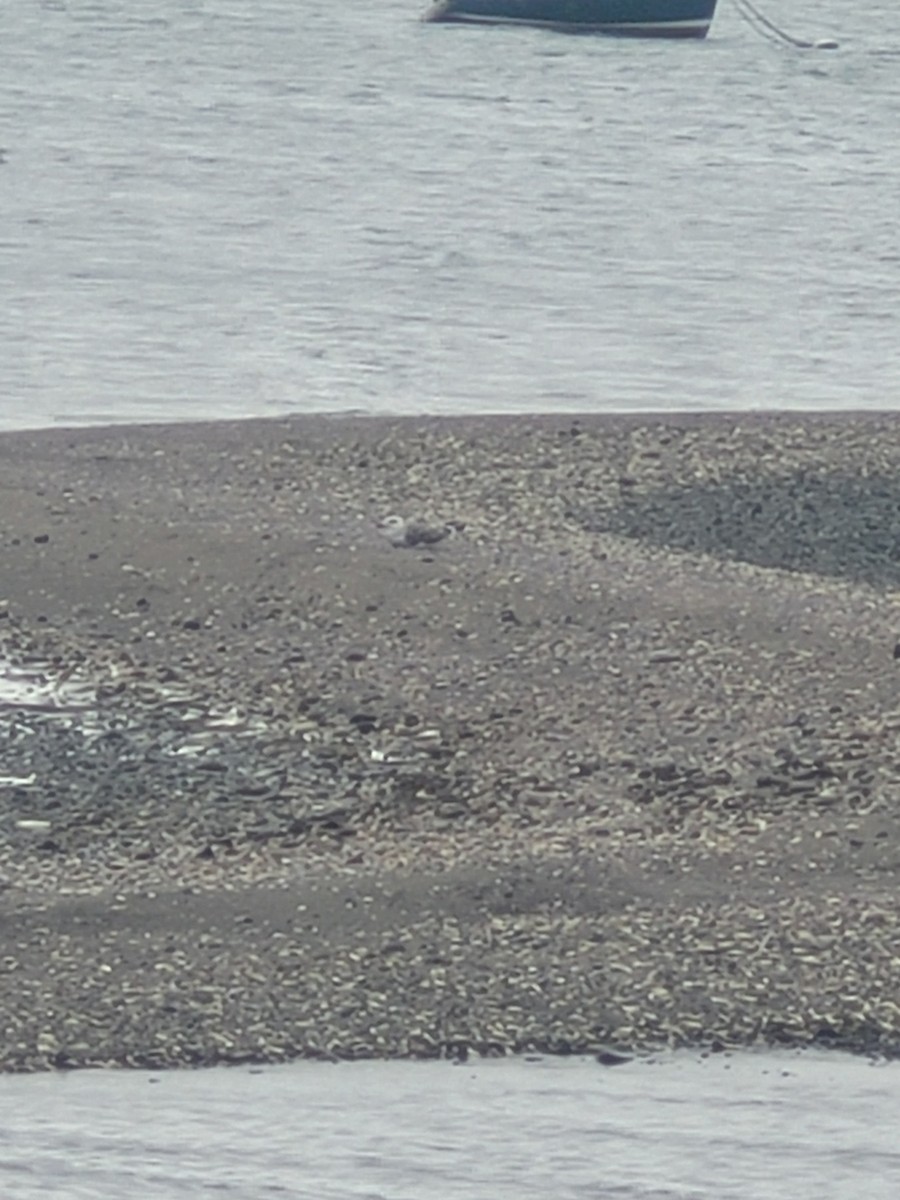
(774, 1126)
(214, 208)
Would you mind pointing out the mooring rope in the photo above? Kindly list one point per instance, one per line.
(761, 23)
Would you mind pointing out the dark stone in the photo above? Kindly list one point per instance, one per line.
(822, 521)
(364, 722)
(825, 1034)
(606, 1058)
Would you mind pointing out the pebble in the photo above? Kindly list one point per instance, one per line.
(649, 798)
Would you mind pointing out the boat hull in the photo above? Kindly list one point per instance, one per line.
(625, 18)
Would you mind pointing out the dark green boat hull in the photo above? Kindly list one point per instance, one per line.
(630, 18)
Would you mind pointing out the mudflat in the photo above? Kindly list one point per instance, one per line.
(613, 763)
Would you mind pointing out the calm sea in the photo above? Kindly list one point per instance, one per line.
(230, 208)
(750, 1127)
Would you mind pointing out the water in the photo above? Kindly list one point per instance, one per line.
(211, 208)
(779, 1126)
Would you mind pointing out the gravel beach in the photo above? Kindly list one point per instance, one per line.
(612, 764)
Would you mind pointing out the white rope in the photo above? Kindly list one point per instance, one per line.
(761, 23)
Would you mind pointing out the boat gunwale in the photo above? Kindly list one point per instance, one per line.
(455, 12)
(673, 29)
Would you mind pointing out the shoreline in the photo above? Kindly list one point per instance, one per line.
(612, 765)
(625, 418)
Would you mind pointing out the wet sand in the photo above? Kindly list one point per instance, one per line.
(615, 763)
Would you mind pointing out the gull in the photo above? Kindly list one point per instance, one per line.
(400, 532)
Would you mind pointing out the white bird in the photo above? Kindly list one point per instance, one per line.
(400, 532)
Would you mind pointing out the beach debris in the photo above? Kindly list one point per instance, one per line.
(43, 688)
(401, 532)
(18, 780)
(95, 701)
